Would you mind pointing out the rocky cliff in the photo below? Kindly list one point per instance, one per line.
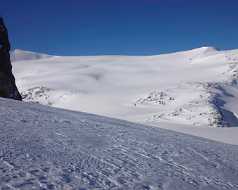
(8, 88)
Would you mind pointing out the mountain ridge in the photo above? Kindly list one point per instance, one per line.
(23, 55)
(199, 49)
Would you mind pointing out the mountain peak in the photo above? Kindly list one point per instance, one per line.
(205, 49)
(209, 48)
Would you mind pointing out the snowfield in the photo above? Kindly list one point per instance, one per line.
(194, 89)
(50, 148)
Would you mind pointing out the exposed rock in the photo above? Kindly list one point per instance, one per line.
(8, 88)
(38, 94)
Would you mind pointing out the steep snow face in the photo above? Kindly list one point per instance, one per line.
(48, 148)
(20, 55)
(186, 87)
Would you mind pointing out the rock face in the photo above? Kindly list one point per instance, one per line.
(8, 88)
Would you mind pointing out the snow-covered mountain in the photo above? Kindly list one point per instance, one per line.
(49, 148)
(196, 87)
(21, 55)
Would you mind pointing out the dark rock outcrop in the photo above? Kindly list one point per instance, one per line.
(8, 88)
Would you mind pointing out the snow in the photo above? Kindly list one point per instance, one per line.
(49, 148)
(20, 55)
(195, 88)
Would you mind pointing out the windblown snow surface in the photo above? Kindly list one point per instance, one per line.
(49, 148)
(192, 91)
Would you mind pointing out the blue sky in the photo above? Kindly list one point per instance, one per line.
(134, 27)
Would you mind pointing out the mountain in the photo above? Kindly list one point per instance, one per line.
(21, 55)
(194, 88)
(49, 148)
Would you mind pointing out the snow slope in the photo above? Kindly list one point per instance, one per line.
(190, 87)
(49, 148)
(20, 55)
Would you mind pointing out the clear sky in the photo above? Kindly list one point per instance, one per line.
(135, 27)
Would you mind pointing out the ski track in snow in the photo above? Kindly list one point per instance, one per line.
(48, 148)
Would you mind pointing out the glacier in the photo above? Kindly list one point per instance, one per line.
(196, 82)
(192, 91)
